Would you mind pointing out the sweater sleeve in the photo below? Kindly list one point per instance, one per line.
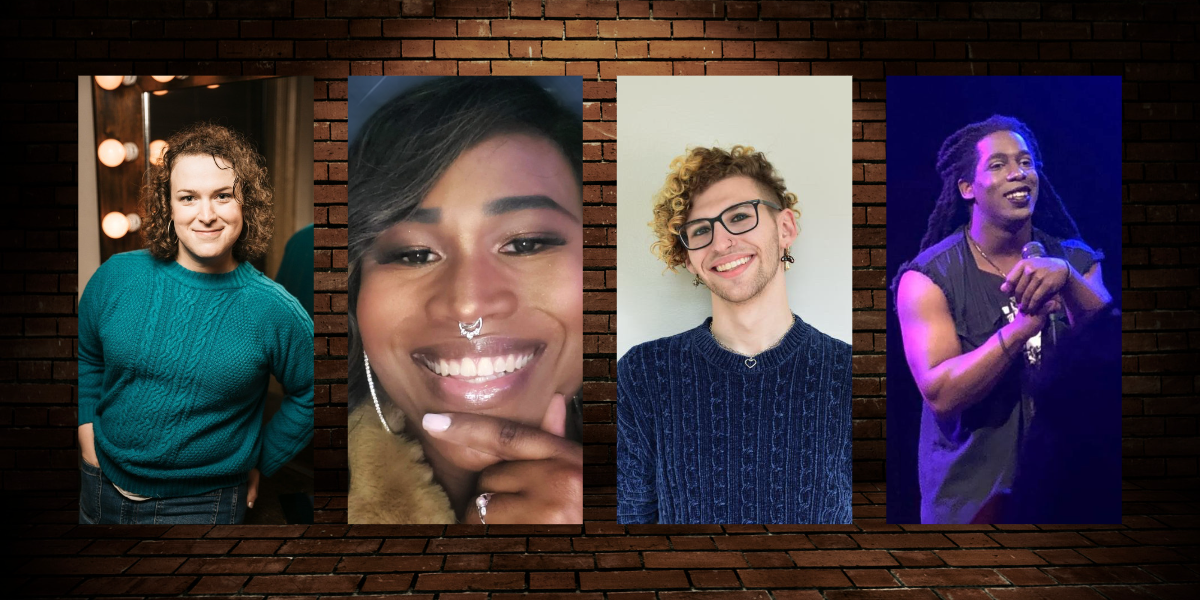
(91, 349)
(637, 501)
(290, 341)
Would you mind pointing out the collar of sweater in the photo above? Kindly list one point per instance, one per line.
(239, 277)
(768, 361)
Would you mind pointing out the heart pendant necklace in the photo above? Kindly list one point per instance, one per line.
(751, 361)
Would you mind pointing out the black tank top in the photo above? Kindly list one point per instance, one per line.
(965, 460)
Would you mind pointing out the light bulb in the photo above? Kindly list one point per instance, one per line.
(157, 149)
(159, 92)
(109, 82)
(213, 86)
(112, 152)
(162, 78)
(116, 225)
(112, 82)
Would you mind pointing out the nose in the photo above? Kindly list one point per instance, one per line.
(473, 287)
(206, 214)
(722, 239)
(1017, 175)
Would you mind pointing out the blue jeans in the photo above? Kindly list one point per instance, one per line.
(101, 503)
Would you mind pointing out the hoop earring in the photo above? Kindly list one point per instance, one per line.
(371, 384)
(787, 259)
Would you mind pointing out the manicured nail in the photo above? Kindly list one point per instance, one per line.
(435, 422)
(250, 504)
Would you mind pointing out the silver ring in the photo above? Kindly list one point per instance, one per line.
(481, 503)
(472, 330)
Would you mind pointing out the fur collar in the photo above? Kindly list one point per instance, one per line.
(390, 482)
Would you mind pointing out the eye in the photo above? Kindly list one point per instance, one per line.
(410, 257)
(525, 246)
(739, 217)
(186, 199)
(995, 166)
(226, 196)
(1027, 163)
(700, 231)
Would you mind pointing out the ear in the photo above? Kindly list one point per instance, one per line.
(964, 190)
(788, 230)
(687, 264)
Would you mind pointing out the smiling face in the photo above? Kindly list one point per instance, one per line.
(499, 240)
(205, 214)
(1005, 185)
(737, 267)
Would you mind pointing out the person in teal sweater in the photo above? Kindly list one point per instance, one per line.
(177, 343)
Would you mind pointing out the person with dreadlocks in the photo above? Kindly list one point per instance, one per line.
(976, 307)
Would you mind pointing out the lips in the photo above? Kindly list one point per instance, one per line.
(732, 265)
(476, 373)
(207, 232)
(1020, 195)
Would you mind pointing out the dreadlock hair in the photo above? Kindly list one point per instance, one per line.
(956, 162)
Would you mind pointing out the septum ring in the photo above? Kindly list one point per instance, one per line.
(481, 504)
(472, 330)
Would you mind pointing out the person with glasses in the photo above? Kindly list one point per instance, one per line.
(746, 418)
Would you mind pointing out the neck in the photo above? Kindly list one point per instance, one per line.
(752, 326)
(213, 266)
(1000, 239)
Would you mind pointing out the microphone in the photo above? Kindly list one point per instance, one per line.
(1037, 250)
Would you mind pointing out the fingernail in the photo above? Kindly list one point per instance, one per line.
(435, 422)
(250, 504)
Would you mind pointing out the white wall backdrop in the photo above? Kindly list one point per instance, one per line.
(804, 126)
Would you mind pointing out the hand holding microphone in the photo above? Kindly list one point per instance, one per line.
(1036, 278)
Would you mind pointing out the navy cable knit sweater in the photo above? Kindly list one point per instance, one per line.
(704, 438)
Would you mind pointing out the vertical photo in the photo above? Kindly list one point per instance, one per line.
(196, 300)
(1004, 342)
(734, 304)
(465, 296)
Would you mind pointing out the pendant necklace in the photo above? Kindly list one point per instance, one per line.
(751, 361)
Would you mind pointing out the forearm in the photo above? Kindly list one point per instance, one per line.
(962, 381)
(1082, 298)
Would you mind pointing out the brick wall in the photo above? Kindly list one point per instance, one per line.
(48, 42)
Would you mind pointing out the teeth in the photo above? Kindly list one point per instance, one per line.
(733, 265)
(1017, 195)
(481, 369)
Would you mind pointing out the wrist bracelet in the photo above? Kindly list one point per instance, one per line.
(1003, 346)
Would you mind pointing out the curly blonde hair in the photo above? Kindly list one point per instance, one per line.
(252, 189)
(696, 171)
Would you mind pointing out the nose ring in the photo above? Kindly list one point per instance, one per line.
(472, 330)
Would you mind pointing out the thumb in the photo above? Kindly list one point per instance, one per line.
(555, 421)
(252, 493)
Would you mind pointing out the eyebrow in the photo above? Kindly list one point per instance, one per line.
(1003, 155)
(228, 187)
(427, 216)
(515, 203)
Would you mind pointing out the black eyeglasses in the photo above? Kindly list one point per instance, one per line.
(736, 219)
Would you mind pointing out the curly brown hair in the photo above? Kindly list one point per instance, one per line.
(696, 171)
(252, 189)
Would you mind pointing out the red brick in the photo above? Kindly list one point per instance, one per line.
(701, 50)
(776, 578)
(302, 584)
(634, 29)
(594, 49)
(632, 580)
(954, 577)
(470, 49)
(739, 30)
(690, 9)
(581, 9)
(419, 67)
(527, 29)
(471, 8)
(790, 50)
(470, 581)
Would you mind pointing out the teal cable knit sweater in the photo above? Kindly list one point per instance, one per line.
(173, 372)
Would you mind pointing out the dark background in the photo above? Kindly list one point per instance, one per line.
(1151, 45)
(1077, 123)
